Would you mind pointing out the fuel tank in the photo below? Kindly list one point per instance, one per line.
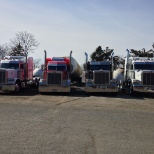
(118, 74)
(38, 73)
(76, 68)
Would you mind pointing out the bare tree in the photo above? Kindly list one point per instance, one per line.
(37, 63)
(26, 40)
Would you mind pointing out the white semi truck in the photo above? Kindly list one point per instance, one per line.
(138, 73)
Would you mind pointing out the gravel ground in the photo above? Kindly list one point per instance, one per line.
(76, 124)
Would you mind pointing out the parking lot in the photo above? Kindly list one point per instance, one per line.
(76, 123)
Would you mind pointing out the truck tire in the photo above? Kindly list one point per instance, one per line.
(79, 80)
(17, 86)
(131, 91)
(36, 84)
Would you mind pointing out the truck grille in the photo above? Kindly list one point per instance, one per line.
(148, 79)
(101, 78)
(54, 78)
(2, 76)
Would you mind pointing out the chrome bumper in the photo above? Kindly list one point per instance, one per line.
(53, 88)
(143, 89)
(7, 87)
(101, 89)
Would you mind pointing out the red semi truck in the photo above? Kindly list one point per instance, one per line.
(58, 73)
(16, 72)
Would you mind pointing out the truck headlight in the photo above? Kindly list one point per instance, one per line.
(43, 80)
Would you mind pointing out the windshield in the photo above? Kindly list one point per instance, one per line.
(144, 66)
(99, 67)
(10, 65)
(57, 68)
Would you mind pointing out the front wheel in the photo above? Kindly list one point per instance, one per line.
(36, 84)
(17, 87)
(131, 90)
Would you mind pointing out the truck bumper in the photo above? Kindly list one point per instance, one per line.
(53, 88)
(101, 89)
(143, 89)
(7, 87)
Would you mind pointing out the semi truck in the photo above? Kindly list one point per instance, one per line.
(138, 73)
(99, 77)
(16, 72)
(59, 73)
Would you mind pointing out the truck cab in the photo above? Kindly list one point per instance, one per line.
(99, 77)
(56, 76)
(139, 74)
(15, 73)
(11, 72)
(58, 71)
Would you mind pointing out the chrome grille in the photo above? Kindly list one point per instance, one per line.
(2, 76)
(101, 78)
(148, 79)
(54, 78)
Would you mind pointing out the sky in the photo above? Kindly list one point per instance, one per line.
(61, 26)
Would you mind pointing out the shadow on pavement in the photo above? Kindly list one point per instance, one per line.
(80, 92)
(23, 92)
